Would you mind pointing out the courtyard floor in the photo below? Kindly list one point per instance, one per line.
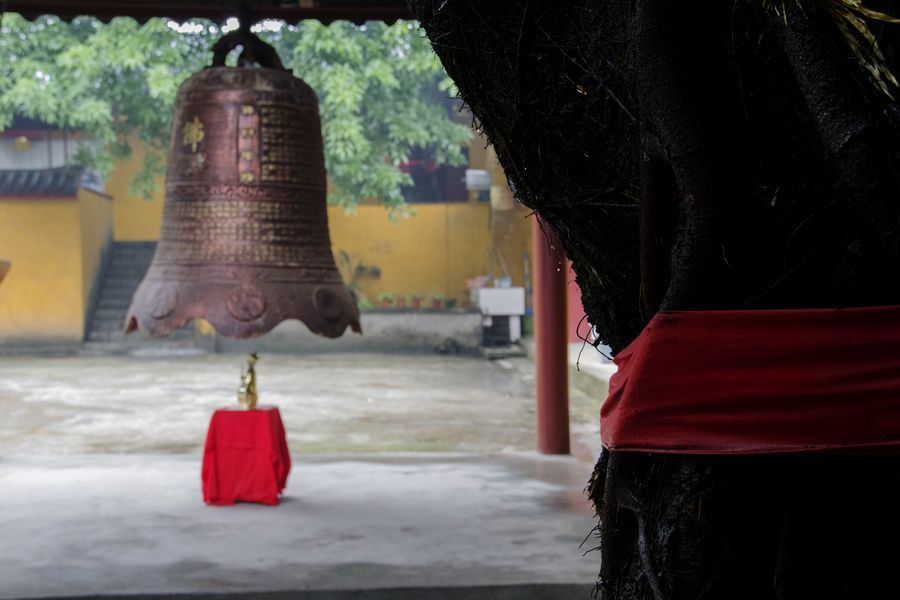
(409, 472)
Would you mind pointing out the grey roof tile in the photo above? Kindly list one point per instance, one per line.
(59, 182)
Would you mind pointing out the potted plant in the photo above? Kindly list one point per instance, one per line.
(437, 301)
(415, 301)
(386, 299)
(400, 301)
(450, 303)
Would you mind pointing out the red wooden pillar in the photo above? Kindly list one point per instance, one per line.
(551, 359)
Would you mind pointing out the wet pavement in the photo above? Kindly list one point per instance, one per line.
(409, 471)
(329, 403)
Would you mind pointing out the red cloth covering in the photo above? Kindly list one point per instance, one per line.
(751, 382)
(246, 457)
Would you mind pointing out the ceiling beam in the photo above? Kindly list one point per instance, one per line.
(325, 11)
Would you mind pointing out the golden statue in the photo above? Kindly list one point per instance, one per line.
(247, 389)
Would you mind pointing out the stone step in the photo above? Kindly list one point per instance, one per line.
(128, 274)
(127, 255)
(119, 288)
(116, 265)
(134, 246)
(126, 249)
(138, 339)
(128, 263)
(108, 326)
(116, 313)
(131, 270)
(115, 298)
(129, 252)
(122, 286)
(164, 349)
(110, 303)
(137, 244)
(105, 336)
(131, 260)
(182, 337)
(122, 283)
(98, 325)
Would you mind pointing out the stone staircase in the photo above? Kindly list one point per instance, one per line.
(105, 335)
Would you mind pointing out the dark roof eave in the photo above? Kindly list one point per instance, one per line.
(8, 197)
(59, 182)
(325, 11)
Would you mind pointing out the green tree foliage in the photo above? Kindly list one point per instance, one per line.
(377, 87)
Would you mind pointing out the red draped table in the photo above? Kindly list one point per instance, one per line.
(246, 457)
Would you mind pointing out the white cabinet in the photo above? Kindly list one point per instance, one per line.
(501, 301)
(502, 310)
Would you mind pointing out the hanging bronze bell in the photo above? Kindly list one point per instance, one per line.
(244, 241)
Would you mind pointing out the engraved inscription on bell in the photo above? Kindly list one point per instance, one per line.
(192, 134)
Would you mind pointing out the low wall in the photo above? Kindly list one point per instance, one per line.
(383, 331)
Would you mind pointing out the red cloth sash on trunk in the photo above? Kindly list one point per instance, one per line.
(760, 381)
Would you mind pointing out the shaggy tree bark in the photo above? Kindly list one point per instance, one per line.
(701, 155)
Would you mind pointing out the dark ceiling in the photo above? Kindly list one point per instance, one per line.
(326, 11)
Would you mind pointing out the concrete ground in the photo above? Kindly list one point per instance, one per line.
(412, 475)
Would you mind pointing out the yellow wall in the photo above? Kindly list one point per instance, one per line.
(41, 298)
(136, 219)
(435, 251)
(55, 246)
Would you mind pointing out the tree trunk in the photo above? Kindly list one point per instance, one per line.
(704, 155)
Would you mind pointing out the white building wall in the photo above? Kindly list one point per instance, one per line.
(38, 155)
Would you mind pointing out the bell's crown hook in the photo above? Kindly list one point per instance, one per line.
(245, 16)
(253, 49)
